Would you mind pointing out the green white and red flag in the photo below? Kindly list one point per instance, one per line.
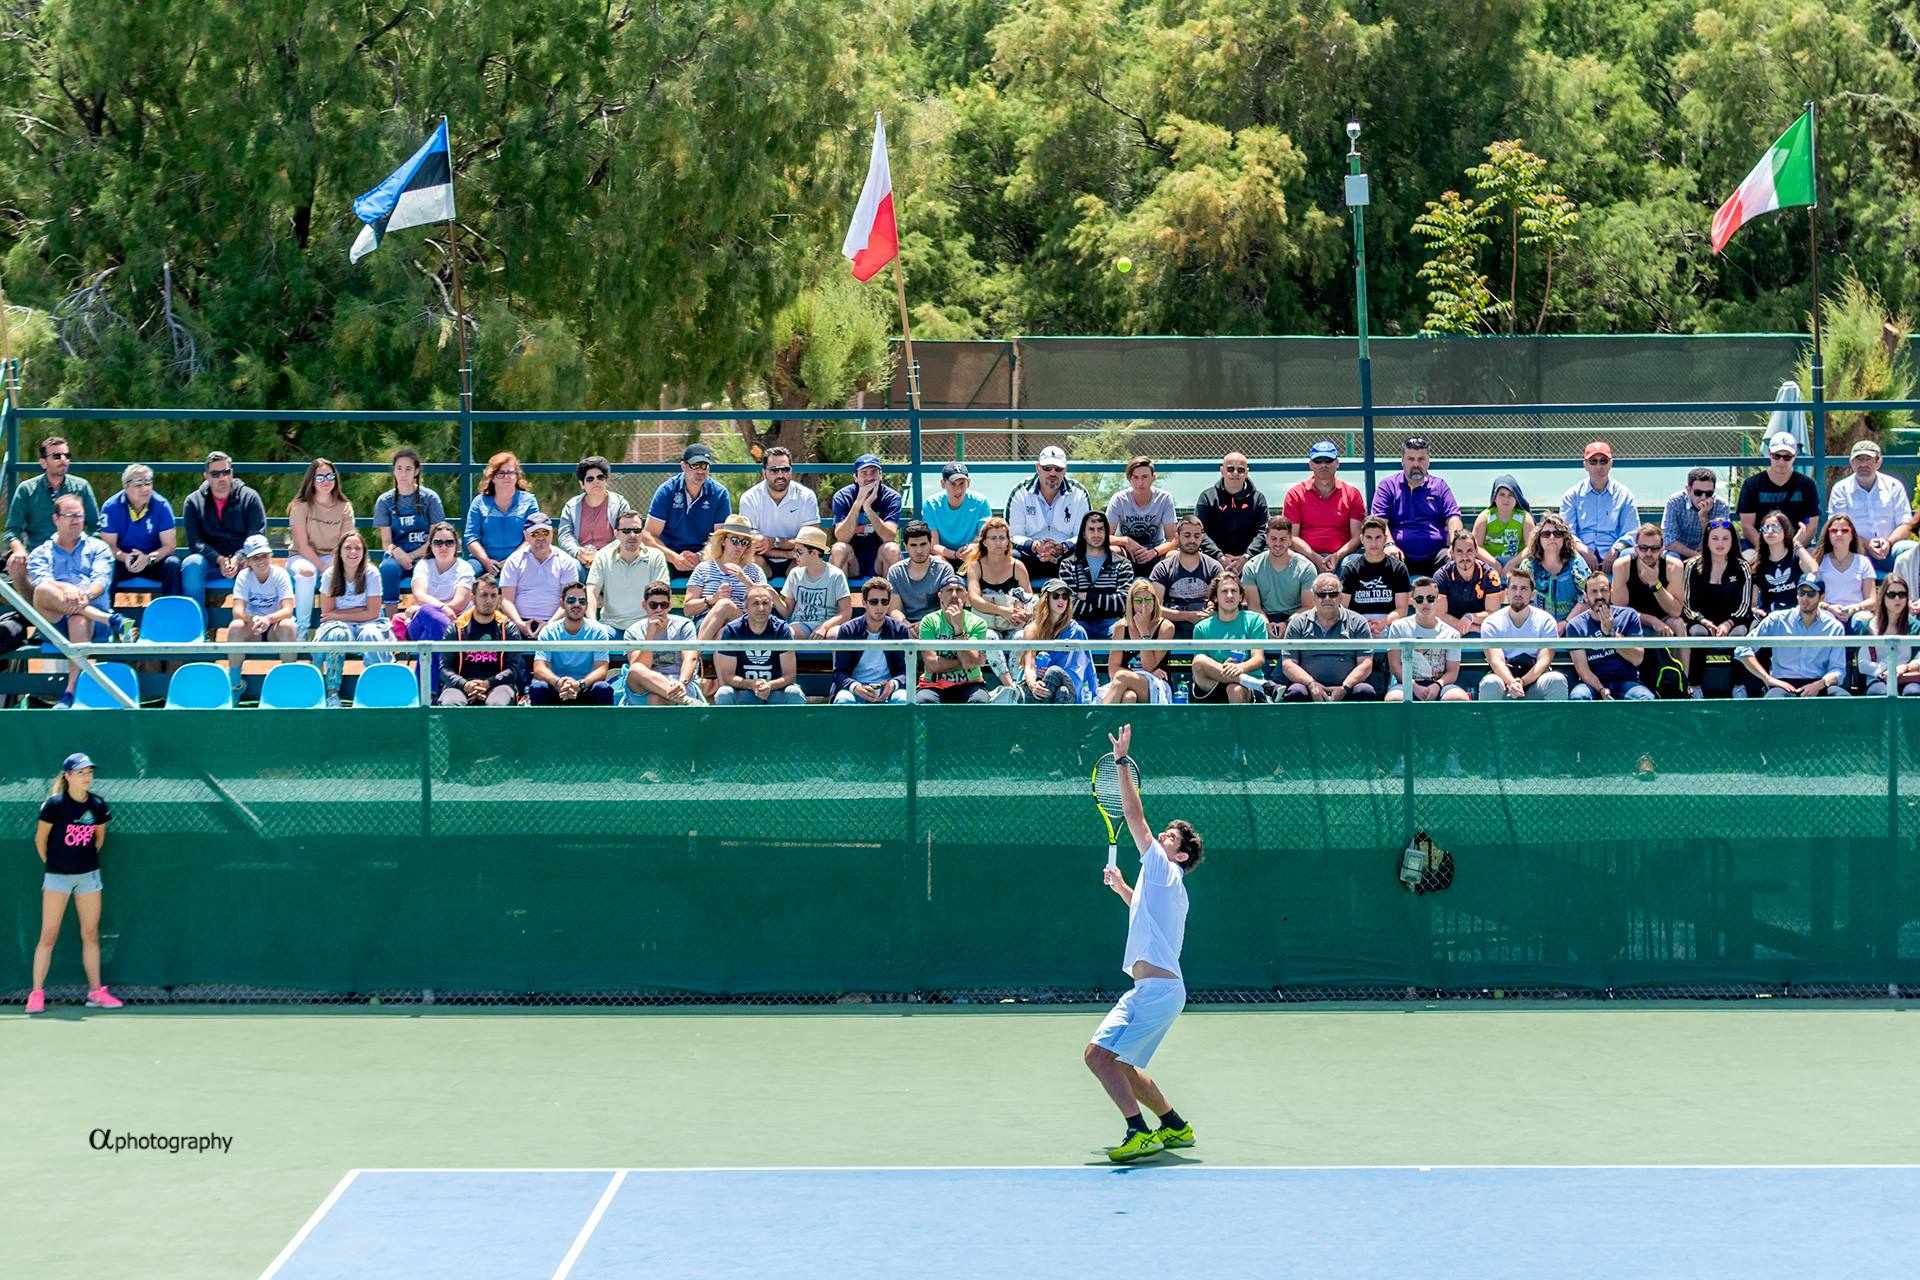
(1782, 180)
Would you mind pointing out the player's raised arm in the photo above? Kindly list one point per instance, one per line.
(1129, 793)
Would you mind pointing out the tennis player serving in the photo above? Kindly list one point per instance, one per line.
(1156, 927)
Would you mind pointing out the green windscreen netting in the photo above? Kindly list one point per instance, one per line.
(953, 853)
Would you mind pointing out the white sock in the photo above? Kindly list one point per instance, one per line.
(1255, 683)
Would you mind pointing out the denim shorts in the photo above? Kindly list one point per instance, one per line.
(85, 882)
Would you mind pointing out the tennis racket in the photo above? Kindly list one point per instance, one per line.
(1106, 795)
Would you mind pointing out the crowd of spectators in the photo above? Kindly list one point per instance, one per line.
(1258, 583)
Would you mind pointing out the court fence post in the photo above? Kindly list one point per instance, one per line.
(426, 743)
(466, 456)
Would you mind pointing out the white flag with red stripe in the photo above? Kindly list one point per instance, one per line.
(872, 238)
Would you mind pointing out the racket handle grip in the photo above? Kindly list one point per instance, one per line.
(1113, 857)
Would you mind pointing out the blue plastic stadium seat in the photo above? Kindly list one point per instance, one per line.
(200, 686)
(292, 686)
(387, 684)
(173, 620)
(88, 693)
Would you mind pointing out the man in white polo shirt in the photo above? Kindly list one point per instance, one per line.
(779, 507)
(1878, 505)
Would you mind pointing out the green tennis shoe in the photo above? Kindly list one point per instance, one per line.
(1173, 1139)
(1139, 1143)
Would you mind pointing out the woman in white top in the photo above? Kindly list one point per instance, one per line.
(1882, 663)
(1845, 569)
(350, 610)
(442, 587)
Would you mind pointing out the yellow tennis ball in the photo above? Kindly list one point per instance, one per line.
(1123, 265)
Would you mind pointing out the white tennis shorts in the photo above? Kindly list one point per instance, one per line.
(1134, 1028)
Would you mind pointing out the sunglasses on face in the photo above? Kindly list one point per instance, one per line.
(445, 542)
(628, 531)
(58, 457)
(220, 475)
(696, 466)
(1235, 471)
(1059, 595)
(1703, 493)
(1807, 591)
(596, 477)
(571, 601)
(779, 471)
(878, 602)
(323, 477)
(659, 602)
(1321, 462)
(505, 471)
(1647, 546)
(1894, 595)
(1328, 595)
(734, 540)
(1053, 471)
(1425, 599)
(1599, 462)
(1552, 533)
(1781, 457)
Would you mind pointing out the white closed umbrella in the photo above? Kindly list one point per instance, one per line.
(1794, 420)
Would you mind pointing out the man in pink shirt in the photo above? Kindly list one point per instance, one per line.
(1326, 511)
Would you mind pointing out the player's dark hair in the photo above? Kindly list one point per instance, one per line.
(1189, 843)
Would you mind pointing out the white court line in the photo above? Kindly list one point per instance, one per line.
(300, 1236)
(1229, 1168)
(586, 1229)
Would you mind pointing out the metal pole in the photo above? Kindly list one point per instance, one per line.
(57, 637)
(466, 363)
(1819, 378)
(913, 380)
(1357, 200)
(9, 426)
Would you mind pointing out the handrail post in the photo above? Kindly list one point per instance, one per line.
(913, 447)
(1368, 467)
(466, 456)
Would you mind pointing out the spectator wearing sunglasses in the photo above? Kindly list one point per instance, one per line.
(1470, 588)
(1327, 675)
(137, 524)
(717, 588)
(815, 599)
(686, 509)
(1599, 510)
(1044, 514)
(622, 571)
(1233, 512)
(1779, 488)
(220, 516)
(402, 517)
(535, 578)
(1688, 512)
(30, 519)
(1425, 675)
(779, 507)
(442, 585)
(1559, 573)
(661, 675)
(591, 518)
(869, 675)
(1326, 511)
(1805, 673)
(572, 677)
(1884, 664)
(318, 518)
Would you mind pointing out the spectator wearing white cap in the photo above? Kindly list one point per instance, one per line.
(1044, 514)
(684, 510)
(1877, 504)
(1600, 510)
(1779, 488)
(779, 507)
(1326, 511)
(533, 577)
(956, 515)
(866, 522)
(262, 603)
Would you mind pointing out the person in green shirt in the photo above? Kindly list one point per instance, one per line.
(953, 675)
(30, 514)
(1275, 579)
(1232, 674)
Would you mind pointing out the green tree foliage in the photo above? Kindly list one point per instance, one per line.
(1865, 356)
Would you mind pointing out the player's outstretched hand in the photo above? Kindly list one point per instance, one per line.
(1114, 880)
(1121, 739)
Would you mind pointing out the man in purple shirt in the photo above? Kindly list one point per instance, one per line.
(1420, 510)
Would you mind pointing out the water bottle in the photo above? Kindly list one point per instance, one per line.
(1180, 690)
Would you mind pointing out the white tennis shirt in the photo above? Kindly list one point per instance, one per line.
(1157, 917)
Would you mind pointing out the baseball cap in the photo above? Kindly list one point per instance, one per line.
(953, 469)
(866, 460)
(539, 520)
(255, 545)
(1323, 449)
(696, 452)
(1864, 448)
(1053, 456)
(78, 760)
(1782, 441)
(1600, 449)
(1813, 580)
(1053, 584)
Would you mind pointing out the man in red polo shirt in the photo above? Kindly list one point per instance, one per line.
(1326, 511)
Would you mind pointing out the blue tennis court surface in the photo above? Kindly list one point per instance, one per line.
(1178, 1219)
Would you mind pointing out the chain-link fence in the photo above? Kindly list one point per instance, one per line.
(951, 855)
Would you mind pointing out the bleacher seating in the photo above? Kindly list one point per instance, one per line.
(293, 686)
(387, 684)
(200, 686)
(89, 695)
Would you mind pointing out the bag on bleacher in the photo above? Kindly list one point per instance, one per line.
(1665, 674)
(13, 632)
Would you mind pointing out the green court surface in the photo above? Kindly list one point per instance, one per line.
(307, 1096)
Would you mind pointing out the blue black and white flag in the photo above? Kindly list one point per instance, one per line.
(419, 191)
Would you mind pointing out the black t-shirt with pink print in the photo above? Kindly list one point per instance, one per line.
(70, 846)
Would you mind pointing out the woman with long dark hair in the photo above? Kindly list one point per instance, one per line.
(69, 835)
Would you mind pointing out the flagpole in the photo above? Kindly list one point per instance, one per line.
(1813, 249)
(459, 297)
(913, 369)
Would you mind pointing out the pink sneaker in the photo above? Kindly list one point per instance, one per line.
(101, 998)
(36, 1001)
